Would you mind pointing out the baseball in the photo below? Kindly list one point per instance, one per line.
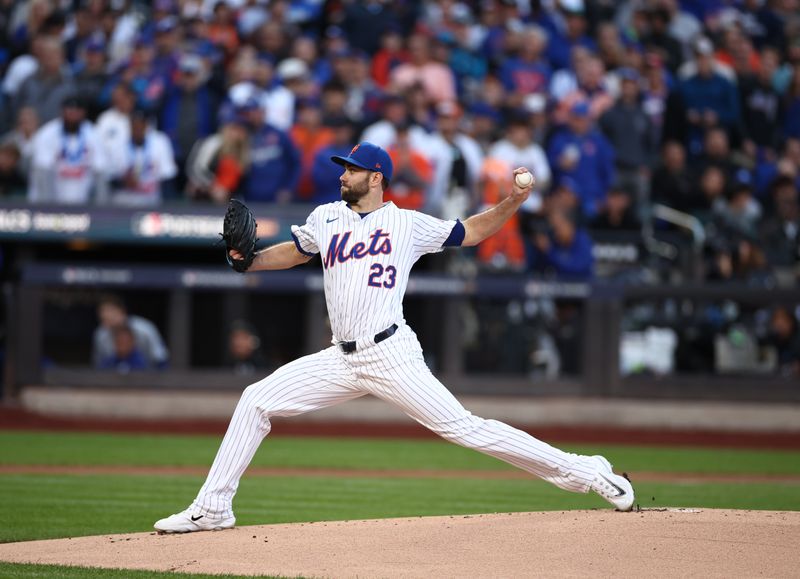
(524, 179)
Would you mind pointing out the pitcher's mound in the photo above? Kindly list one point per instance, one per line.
(649, 543)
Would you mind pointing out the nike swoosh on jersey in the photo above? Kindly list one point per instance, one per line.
(331, 220)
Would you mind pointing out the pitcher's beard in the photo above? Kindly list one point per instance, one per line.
(355, 193)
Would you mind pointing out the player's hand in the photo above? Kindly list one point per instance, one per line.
(521, 193)
(235, 254)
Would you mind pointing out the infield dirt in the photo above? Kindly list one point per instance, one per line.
(647, 543)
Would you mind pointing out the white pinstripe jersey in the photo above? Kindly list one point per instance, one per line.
(367, 260)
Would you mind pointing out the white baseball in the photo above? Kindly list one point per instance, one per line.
(524, 179)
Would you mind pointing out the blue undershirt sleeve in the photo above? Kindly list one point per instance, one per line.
(456, 237)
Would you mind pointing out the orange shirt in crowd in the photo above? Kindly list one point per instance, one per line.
(309, 141)
(753, 60)
(402, 193)
(226, 37)
(384, 62)
(228, 174)
(496, 184)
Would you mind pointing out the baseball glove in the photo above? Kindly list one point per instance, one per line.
(239, 233)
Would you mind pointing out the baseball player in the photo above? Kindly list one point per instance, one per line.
(368, 248)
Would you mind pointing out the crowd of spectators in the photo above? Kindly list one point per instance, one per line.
(613, 105)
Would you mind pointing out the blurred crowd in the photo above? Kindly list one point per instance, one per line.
(614, 106)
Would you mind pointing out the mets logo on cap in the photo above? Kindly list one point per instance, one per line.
(367, 156)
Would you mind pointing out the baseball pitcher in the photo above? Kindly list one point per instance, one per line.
(368, 248)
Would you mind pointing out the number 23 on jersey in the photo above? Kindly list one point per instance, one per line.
(377, 278)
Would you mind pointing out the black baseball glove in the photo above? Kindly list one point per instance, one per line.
(239, 233)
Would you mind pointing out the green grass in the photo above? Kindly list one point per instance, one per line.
(24, 571)
(34, 448)
(61, 505)
(47, 506)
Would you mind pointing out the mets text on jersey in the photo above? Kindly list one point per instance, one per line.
(338, 252)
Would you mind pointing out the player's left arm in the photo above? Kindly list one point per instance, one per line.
(485, 224)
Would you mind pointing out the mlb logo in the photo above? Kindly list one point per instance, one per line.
(354, 149)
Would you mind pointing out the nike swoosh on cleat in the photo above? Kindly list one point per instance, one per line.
(201, 516)
(620, 490)
(331, 220)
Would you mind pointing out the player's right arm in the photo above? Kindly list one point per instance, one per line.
(280, 256)
(483, 225)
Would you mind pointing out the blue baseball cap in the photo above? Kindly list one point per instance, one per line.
(580, 109)
(251, 103)
(166, 24)
(368, 156)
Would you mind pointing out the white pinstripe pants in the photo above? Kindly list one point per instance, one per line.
(393, 370)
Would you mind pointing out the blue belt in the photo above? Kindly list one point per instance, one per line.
(350, 347)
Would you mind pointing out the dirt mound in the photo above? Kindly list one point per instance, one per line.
(649, 543)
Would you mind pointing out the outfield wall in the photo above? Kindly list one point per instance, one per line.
(551, 411)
